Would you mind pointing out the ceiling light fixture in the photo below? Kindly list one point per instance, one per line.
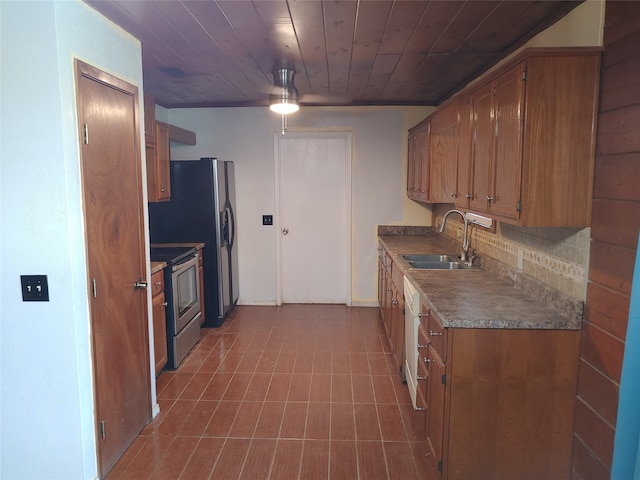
(286, 100)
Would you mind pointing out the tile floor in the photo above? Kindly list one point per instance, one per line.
(293, 392)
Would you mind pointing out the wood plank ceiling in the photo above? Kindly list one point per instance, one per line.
(365, 52)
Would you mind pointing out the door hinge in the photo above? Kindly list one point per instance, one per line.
(444, 379)
(519, 206)
(86, 134)
(103, 435)
(524, 75)
(440, 466)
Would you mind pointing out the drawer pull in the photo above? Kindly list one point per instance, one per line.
(423, 346)
(435, 334)
(419, 409)
(426, 360)
(421, 378)
(420, 315)
(158, 283)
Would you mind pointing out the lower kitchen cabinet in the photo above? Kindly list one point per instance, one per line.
(391, 299)
(502, 405)
(159, 321)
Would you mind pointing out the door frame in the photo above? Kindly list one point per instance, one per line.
(341, 135)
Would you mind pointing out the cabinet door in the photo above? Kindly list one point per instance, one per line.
(435, 409)
(443, 155)
(508, 104)
(465, 152)
(423, 163)
(159, 332)
(417, 164)
(149, 120)
(162, 161)
(483, 134)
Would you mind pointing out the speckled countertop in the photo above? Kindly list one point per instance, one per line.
(476, 298)
(157, 266)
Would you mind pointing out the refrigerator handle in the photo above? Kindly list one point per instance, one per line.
(232, 235)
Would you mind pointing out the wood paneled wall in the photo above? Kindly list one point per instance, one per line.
(614, 235)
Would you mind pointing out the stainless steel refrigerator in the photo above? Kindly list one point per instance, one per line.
(202, 209)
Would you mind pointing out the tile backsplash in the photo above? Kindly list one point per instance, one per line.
(557, 257)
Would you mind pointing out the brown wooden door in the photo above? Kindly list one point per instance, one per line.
(435, 409)
(443, 155)
(110, 157)
(508, 101)
(483, 134)
(465, 151)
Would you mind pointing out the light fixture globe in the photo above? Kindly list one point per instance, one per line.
(286, 100)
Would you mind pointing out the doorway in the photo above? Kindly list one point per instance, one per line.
(313, 221)
(109, 127)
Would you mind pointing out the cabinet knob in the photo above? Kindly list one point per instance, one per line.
(469, 196)
(453, 195)
(162, 189)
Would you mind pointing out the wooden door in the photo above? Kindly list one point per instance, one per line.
(465, 151)
(483, 133)
(314, 183)
(443, 155)
(113, 208)
(411, 164)
(435, 410)
(508, 106)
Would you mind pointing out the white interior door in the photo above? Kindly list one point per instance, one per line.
(314, 220)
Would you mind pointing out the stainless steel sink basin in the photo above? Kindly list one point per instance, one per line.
(432, 258)
(442, 265)
(436, 261)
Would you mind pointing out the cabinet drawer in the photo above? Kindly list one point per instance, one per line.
(437, 336)
(157, 283)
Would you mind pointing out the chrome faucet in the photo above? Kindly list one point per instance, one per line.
(464, 257)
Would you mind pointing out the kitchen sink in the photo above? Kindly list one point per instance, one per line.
(432, 258)
(441, 265)
(437, 261)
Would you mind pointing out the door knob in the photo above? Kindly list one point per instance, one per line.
(285, 231)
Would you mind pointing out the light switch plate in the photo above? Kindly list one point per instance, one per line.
(35, 288)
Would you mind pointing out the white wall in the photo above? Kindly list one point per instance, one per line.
(46, 411)
(245, 135)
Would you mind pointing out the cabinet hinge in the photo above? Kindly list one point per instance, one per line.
(440, 466)
(103, 435)
(524, 75)
(86, 134)
(519, 205)
(444, 379)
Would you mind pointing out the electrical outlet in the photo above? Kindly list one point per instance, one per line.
(267, 219)
(35, 288)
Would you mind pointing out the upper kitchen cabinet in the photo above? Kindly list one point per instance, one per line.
(149, 120)
(418, 163)
(157, 138)
(527, 137)
(158, 157)
(443, 150)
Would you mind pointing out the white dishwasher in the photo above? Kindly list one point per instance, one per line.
(411, 322)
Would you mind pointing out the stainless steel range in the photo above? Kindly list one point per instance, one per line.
(182, 293)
